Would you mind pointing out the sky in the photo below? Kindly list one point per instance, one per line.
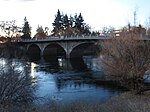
(96, 13)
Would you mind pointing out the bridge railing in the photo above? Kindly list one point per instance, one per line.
(72, 37)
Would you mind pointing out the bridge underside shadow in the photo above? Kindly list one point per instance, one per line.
(86, 49)
(34, 52)
(53, 51)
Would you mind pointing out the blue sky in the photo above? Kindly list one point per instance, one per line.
(96, 13)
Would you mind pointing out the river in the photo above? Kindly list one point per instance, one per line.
(67, 81)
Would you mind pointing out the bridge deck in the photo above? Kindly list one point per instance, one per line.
(71, 38)
(77, 38)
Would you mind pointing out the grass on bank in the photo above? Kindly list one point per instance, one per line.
(126, 102)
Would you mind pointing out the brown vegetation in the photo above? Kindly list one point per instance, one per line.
(126, 60)
(40, 36)
(127, 102)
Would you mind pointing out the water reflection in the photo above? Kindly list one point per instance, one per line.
(33, 58)
(59, 63)
(78, 64)
(54, 65)
(66, 80)
(71, 80)
(15, 82)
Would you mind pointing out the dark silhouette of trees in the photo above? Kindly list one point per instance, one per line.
(66, 21)
(67, 26)
(58, 24)
(26, 30)
(71, 21)
(79, 25)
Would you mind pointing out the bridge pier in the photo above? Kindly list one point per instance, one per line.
(41, 54)
(67, 55)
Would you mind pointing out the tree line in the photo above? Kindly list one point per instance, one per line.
(66, 26)
(62, 26)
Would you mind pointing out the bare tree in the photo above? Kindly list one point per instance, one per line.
(10, 29)
(15, 85)
(126, 60)
(107, 31)
(147, 25)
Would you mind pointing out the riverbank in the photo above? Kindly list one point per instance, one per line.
(10, 50)
(125, 102)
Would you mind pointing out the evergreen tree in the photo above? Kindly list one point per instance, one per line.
(64, 26)
(71, 21)
(79, 23)
(58, 23)
(40, 29)
(26, 30)
(75, 20)
(66, 21)
(40, 32)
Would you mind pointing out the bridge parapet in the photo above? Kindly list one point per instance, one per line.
(83, 37)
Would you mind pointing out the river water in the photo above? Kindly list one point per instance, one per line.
(67, 81)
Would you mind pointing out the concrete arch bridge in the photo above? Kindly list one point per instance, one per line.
(71, 47)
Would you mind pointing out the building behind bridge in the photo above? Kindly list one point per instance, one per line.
(139, 31)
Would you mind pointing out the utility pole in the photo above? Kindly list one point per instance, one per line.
(135, 18)
(135, 15)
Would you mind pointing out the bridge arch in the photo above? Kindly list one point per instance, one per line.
(84, 49)
(34, 51)
(53, 50)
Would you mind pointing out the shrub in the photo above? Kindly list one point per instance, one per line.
(15, 85)
(126, 59)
